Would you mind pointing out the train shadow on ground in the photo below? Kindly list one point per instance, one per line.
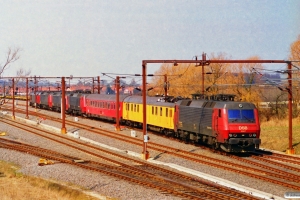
(258, 152)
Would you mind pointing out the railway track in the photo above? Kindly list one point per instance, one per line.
(281, 176)
(141, 173)
(287, 176)
(280, 157)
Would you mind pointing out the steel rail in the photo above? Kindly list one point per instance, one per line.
(186, 186)
(287, 176)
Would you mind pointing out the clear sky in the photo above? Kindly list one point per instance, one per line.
(89, 37)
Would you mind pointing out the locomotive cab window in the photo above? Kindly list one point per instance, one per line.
(245, 116)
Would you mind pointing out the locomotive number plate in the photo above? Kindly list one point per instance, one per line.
(243, 128)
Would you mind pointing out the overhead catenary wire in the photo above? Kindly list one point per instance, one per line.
(282, 71)
(280, 87)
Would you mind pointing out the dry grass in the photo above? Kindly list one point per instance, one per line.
(275, 135)
(14, 186)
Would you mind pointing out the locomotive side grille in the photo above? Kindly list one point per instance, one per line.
(195, 119)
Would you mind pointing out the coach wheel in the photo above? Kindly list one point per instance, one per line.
(128, 123)
(165, 132)
(176, 134)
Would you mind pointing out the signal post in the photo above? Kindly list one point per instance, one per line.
(63, 106)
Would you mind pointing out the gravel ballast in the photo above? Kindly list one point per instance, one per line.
(110, 186)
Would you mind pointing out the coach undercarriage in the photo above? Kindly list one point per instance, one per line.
(240, 145)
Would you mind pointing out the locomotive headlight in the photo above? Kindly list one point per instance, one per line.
(254, 135)
(250, 135)
(234, 135)
(230, 135)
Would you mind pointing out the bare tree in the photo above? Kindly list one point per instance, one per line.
(21, 75)
(185, 79)
(11, 56)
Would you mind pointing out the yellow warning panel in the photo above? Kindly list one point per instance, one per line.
(2, 133)
(44, 161)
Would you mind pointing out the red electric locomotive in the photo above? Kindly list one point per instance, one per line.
(229, 125)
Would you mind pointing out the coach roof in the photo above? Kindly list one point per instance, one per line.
(157, 101)
(105, 97)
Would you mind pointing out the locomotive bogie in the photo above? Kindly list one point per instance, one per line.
(236, 148)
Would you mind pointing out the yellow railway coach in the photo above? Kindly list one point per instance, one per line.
(160, 115)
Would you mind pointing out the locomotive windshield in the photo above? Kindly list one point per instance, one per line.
(245, 116)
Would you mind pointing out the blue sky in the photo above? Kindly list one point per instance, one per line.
(87, 38)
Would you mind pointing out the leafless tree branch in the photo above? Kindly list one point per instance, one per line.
(12, 56)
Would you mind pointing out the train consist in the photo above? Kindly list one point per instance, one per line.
(219, 122)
